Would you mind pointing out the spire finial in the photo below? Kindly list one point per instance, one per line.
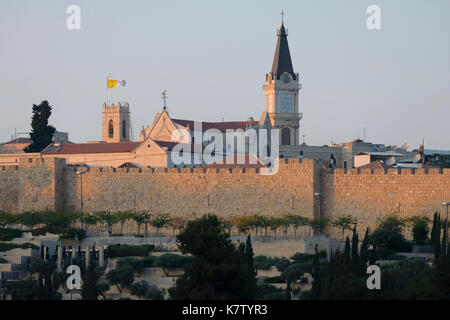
(282, 16)
(164, 97)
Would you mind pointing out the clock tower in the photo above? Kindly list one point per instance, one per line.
(282, 88)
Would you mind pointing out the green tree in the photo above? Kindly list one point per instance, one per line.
(364, 252)
(41, 133)
(248, 253)
(91, 289)
(420, 229)
(120, 277)
(218, 270)
(355, 249)
(344, 223)
(140, 219)
(47, 279)
(433, 230)
(388, 234)
(160, 221)
(22, 289)
(319, 224)
(169, 261)
(347, 251)
(437, 237)
(7, 219)
(108, 219)
(297, 221)
(122, 217)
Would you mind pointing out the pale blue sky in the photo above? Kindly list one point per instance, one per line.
(212, 57)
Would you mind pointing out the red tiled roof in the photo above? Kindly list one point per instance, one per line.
(249, 162)
(222, 126)
(76, 148)
(375, 165)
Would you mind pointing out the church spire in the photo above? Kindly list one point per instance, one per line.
(282, 61)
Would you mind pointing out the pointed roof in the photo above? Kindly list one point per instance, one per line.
(282, 61)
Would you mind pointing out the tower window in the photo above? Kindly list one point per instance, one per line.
(124, 129)
(111, 129)
(286, 136)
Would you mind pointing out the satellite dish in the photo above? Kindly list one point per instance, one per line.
(406, 146)
(416, 158)
(390, 161)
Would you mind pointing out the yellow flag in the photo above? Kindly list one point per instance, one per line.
(111, 83)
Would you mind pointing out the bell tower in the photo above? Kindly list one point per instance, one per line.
(116, 122)
(282, 89)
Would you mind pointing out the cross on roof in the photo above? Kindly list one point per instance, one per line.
(282, 16)
(164, 97)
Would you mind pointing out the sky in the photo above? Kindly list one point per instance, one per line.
(212, 57)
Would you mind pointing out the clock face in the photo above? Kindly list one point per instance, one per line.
(286, 78)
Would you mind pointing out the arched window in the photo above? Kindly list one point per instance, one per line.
(111, 129)
(124, 129)
(286, 136)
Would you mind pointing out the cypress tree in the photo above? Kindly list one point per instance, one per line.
(364, 252)
(437, 249)
(41, 133)
(444, 236)
(347, 254)
(316, 289)
(248, 253)
(355, 249)
(373, 255)
(433, 230)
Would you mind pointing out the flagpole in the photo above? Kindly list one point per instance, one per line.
(109, 91)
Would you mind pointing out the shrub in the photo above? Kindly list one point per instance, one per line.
(170, 261)
(420, 230)
(9, 234)
(296, 271)
(120, 277)
(139, 289)
(136, 264)
(149, 261)
(388, 234)
(22, 289)
(264, 263)
(296, 291)
(117, 250)
(383, 253)
(72, 233)
(298, 257)
(276, 279)
(282, 264)
(9, 246)
(269, 292)
(153, 293)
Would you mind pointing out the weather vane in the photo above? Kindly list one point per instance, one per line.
(164, 97)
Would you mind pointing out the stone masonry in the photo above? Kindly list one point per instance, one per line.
(299, 187)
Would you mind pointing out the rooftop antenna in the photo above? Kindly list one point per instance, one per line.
(164, 97)
(364, 133)
(303, 135)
